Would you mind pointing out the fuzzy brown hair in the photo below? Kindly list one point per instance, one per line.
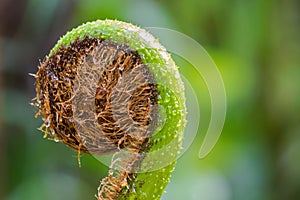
(124, 107)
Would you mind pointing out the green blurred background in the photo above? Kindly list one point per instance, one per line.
(256, 46)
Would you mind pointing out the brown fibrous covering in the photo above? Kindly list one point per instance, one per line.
(115, 99)
(123, 111)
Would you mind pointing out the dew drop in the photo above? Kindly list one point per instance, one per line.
(47, 123)
(167, 98)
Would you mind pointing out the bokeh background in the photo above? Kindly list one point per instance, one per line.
(256, 45)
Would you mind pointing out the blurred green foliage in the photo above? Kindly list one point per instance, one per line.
(256, 46)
